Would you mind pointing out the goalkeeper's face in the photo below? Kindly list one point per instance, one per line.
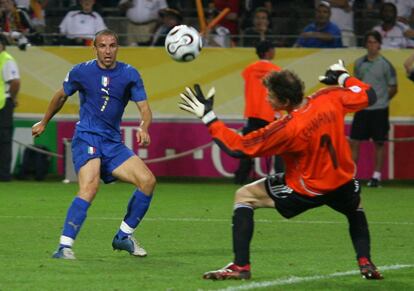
(106, 47)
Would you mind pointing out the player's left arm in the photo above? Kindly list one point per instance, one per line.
(357, 95)
(143, 136)
(275, 138)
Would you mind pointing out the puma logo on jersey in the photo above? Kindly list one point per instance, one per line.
(106, 91)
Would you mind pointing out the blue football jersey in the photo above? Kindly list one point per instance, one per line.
(103, 94)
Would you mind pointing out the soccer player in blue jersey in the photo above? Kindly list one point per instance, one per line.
(105, 86)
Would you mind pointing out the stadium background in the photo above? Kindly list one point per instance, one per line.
(43, 69)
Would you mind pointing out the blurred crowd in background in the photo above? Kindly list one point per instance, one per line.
(287, 23)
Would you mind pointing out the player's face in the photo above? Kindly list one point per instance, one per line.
(106, 47)
(372, 45)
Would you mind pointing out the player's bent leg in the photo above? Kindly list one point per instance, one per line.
(247, 198)
(136, 172)
(88, 186)
(254, 195)
(89, 179)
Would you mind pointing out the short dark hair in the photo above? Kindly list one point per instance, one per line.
(375, 34)
(263, 47)
(105, 32)
(286, 85)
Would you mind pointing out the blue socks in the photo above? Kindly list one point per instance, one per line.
(74, 219)
(137, 207)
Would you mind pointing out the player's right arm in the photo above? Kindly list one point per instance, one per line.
(57, 102)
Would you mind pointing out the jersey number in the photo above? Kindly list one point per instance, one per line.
(327, 141)
(106, 99)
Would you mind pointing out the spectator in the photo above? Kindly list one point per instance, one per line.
(250, 7)
(37, 12)
(231, 21)
(79, 27)
(218, 36)
(322, 33)
(405, 10)
(257, 109)
(169, 18)
(259, 31)
(15, 23)
(394, 33)
(9, 85)
(372, 122)
(142, 16)
(408, 66)
(342, 14)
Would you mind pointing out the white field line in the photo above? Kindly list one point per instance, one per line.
(205, 220)
(297, 280)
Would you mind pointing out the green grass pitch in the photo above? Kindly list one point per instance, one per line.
(187, 232)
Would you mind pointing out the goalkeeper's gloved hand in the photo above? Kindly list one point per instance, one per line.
(336, 74)
(193, 101)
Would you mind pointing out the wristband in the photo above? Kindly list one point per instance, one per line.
(342, 78)
(209, 117)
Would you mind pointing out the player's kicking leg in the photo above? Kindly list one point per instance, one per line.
(134, 171)
(88, 186)
(247, 199)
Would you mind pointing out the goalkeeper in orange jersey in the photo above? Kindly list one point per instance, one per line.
(312, 142)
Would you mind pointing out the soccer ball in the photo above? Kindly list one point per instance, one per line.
(183, 43)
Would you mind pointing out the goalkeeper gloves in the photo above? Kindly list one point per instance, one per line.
(193, 101)
(335, 75)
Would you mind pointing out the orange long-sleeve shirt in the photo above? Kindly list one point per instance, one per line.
(255, 93)
(311, 139)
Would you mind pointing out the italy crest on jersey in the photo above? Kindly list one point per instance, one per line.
(105, 81)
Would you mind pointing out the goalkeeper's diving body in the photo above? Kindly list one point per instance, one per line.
(105, 87)
(312, 142)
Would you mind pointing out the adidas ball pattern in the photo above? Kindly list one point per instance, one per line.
(183, 43)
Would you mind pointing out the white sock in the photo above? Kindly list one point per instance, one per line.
(66, 241)
(376, 175)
